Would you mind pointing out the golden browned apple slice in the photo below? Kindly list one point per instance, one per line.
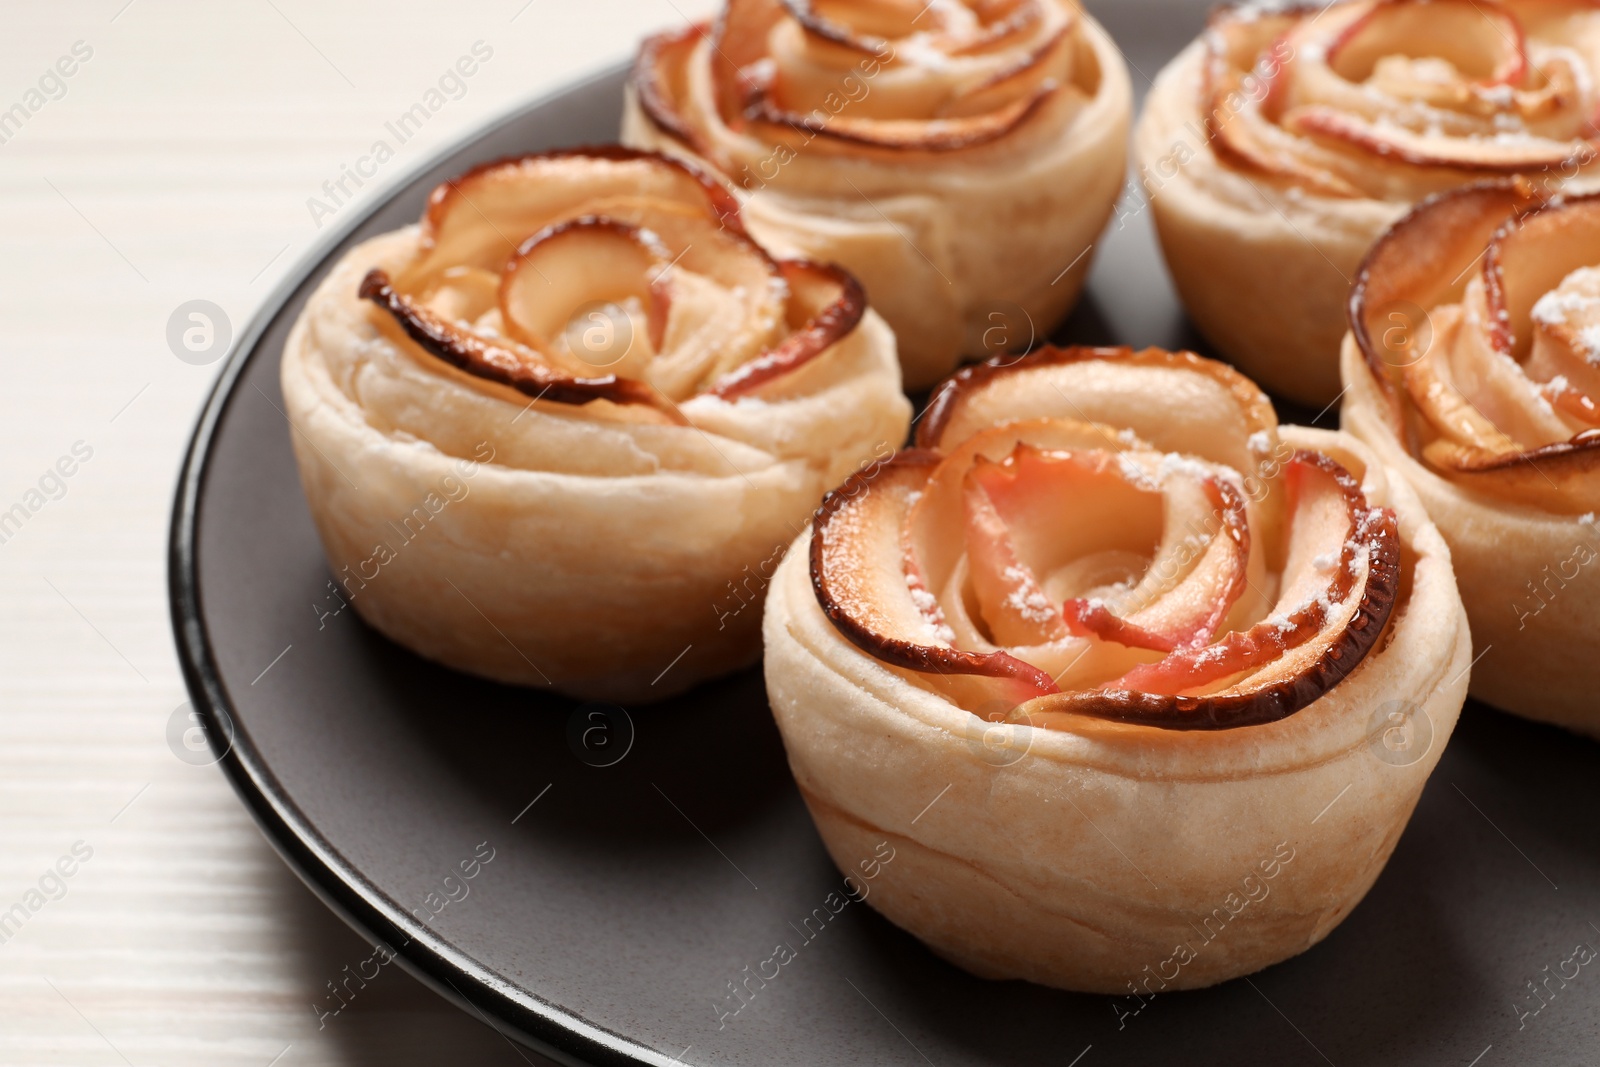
(1191, 590)
(1532, 256)
(1034, 72)
(660, 77)
(999, 23)
(1034, 512)
(950, 134)
(941, 507)
(480, 218)
(1572, 402)
(826, 303)
(1010, 598)
(1214, 411)
(1340, 578)
(740, 39)
(1241, 118)
(462, 294)
(864, 26)
(1245, 136)
(1424, 261)
(565, 269)
(1415, 82)
(508, 364)
(962, 77)
(862, 581)
(1565, 352)
(1561, 477)
(1440, 400)
(1480, 39)
(1487, 154)
(869, 26)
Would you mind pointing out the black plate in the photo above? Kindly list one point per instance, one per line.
(618, 907)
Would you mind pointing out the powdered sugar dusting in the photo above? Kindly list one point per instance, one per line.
(928, 605)
(1026, 599)
(1589, 341)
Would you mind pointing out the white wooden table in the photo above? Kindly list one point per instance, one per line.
(175, 162)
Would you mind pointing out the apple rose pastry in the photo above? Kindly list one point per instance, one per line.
(1474, 370)
(960, 157)
(1280, 145)
(559, 433)
(1109, 658)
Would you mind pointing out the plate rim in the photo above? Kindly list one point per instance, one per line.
(549, 1029)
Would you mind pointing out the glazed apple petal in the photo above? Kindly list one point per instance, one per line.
(1501, 391)
(1563, 478)
(1501, 399)
(1197, 576)
(1210, 410)
(943, 61)
(1341, 576)
(860, 571)
(1488, 152)
(1572, 403)
(1249, 72)
(1066, 514)
(1014, 607)
(1530, 257)
(748, 292)
(826, 304)
(1017, 494)
(1317, 580)
(998, 26)
(944, 76)
(1479, 43)
(661, 76)
(467, 295)
(580, 288)
(1539, 291)
(1440, 401)
(1390, 99)
(928, 99)
(936, 135)
(1141, 586)
(956, 28)
(1248, 138)
(941, 507)
(507, 364)
(1566, 337)
(861, 26)
(1351, 629)
(1422, 262)
(480, 218)
(608, 273)
(1042, 67)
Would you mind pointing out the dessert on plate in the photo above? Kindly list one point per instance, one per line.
(1281, 144)
(1473, 371)
(558, 433)
(1109, 659)
(959, 157)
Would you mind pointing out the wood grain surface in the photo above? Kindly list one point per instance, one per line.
(143, 919)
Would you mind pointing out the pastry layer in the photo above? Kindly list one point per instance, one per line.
(966, 248)
(580, 547)
(1115, 857)
(1530, 578)
(1280, 145)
